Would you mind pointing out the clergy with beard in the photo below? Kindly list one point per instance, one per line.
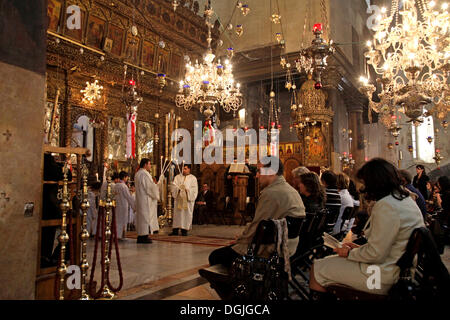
(184, 190)
(147, 196)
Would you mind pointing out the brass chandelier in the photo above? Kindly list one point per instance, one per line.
(410, 55)
(210, 82)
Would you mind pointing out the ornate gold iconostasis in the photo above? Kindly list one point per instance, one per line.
(100, 50)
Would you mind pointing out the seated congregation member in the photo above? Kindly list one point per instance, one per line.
(417, 195)
(124, 200)
(277, 200)
(343, 181)
(393, 218)
(312, 192)
(333, 203)
(203, 204)
(296, 173)
(420, 180)
(444, 199)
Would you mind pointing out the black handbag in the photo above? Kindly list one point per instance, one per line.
(405, 289)
(258, 278)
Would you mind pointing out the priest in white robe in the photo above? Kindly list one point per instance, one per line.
(124, 200)
(147, 196)
(184, 190)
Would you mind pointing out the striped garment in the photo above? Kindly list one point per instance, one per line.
(333, 204)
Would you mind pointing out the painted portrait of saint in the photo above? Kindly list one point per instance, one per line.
(95, 31)
(132, 49)
(116, 35)
(163, 61)
(148, 54)
(176, 66)
(289, 149)
(316, 150)
(53, 14)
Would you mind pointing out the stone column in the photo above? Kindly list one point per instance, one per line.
(23, 65)
(355, 123)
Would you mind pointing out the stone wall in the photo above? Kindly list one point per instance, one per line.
(22, 90)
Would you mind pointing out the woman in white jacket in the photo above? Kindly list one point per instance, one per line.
(394, 216)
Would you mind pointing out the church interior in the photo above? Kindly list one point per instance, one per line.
(96, 92)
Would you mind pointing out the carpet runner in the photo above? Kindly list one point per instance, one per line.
(198, 240)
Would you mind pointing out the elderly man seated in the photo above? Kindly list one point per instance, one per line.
(277, 200)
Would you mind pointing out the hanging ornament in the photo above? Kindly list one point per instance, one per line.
(410, 149)
(444, 124)
(394, 129)
(278, 36)
(230, 27)
(175, 4)
(161, 81)
(275, 18)
(230, 53)
(245, 9)
(390, 146)
(437, 157)
(430, 139)
(239, 30)
(92, 92)
(283, 62)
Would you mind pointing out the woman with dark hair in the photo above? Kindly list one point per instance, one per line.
(312, 192)
(420, 180)
(393, 218)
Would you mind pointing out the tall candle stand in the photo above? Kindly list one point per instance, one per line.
(84, 236)
(63, 237)
(107, 292)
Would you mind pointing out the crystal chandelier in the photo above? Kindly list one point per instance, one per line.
(314, 58)
(410, 55)
(209, 83)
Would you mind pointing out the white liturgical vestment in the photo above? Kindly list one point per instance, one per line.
(124, 200)
(184, 191)
(147, 196)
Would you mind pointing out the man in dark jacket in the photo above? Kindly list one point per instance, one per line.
(204, 204)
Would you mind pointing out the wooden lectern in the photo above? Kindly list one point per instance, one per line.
(240, 183)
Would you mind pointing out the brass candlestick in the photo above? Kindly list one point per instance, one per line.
(169, 209)
(63, 237)
(107, 293)
(84, 236)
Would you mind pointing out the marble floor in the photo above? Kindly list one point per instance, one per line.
(164, 270)
(169, 271)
